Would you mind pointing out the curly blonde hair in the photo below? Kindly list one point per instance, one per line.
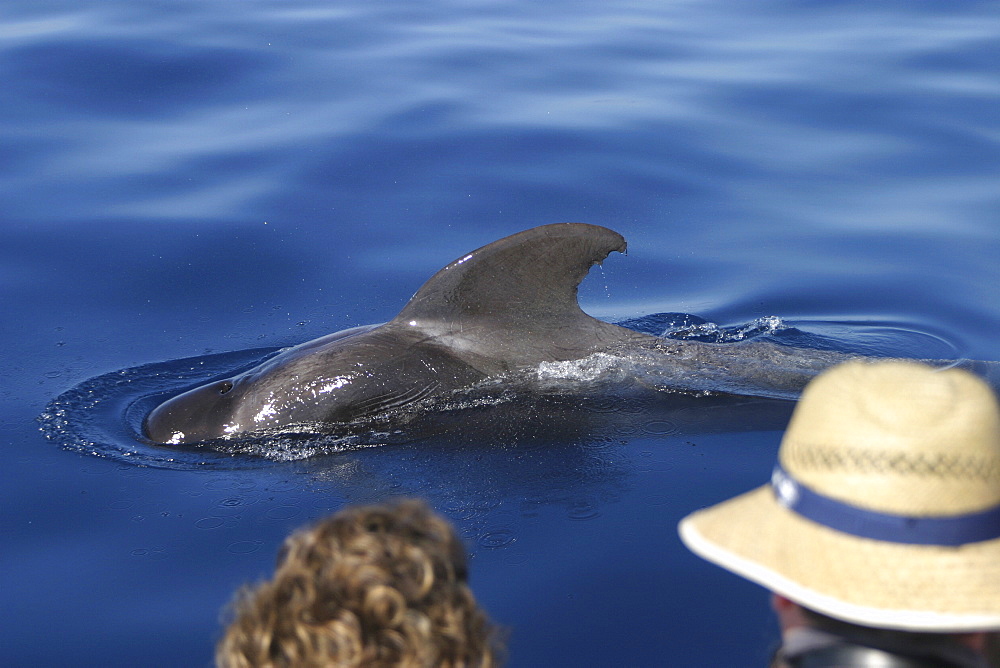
(369, 586)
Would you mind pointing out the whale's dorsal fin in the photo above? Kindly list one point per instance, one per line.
(527, 280)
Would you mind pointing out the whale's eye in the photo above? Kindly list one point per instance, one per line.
(225, 386)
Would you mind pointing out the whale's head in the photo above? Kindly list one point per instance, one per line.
(289, 389)
(196, 415)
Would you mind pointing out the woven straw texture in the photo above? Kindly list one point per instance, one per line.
(894, 437)
(899, 438)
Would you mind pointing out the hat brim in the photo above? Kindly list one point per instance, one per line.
(859, 580)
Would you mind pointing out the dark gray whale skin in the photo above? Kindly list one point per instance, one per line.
(506, 306)
(510, 305)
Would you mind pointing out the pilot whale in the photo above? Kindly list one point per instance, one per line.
(506, 307)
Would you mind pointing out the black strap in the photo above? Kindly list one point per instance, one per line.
(856, 656)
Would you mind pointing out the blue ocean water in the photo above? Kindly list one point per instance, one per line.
(190, 178)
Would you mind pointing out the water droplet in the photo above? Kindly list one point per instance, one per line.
(515, 558)
(497, 538)
(604, 405)
(583, 510)
(282, 513)
(245, 546)
(210, 523)
(660, 427)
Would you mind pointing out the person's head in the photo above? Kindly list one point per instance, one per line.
(368, 586)
(792, 616)
(884, 508)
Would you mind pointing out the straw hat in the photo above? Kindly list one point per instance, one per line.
(904, 461)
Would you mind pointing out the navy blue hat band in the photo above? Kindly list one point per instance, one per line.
(953, 530)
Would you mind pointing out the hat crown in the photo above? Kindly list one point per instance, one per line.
(897, 437)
